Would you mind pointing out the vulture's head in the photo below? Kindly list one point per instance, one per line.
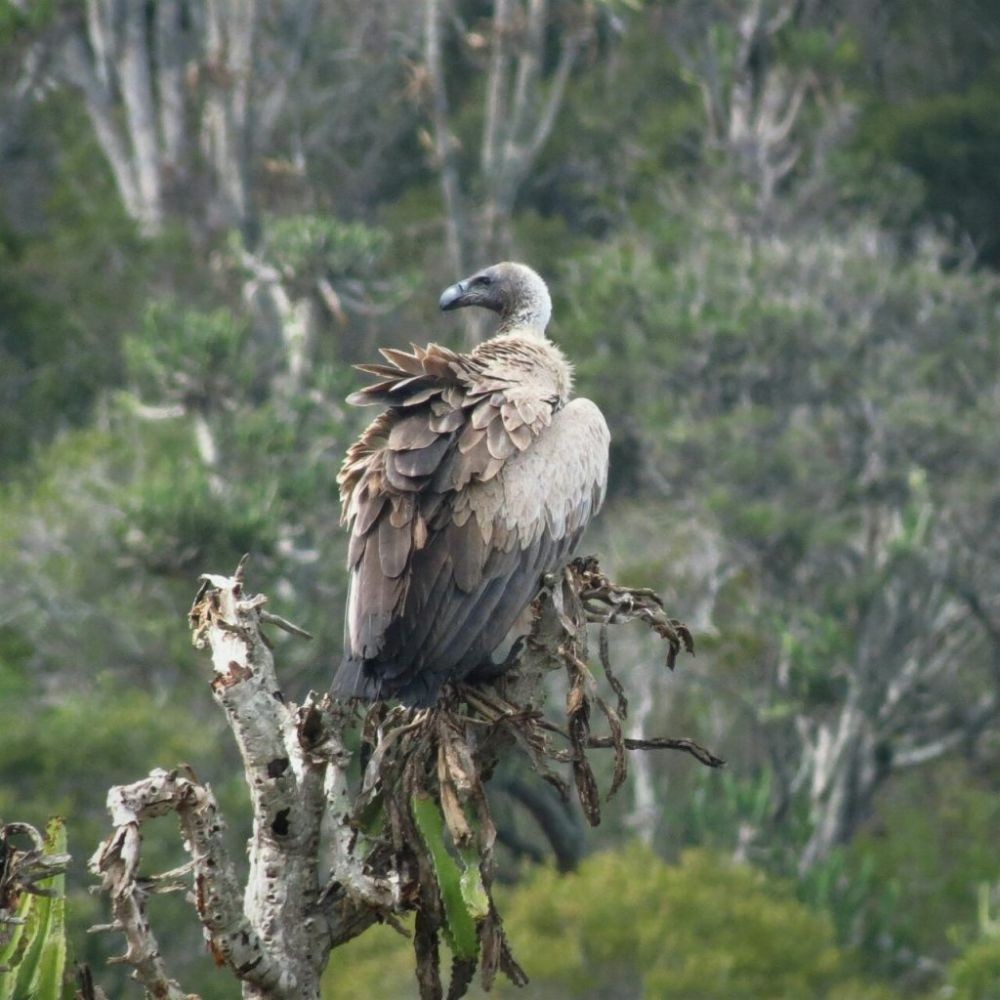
(513, 291)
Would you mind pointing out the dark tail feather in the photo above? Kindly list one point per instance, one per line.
(358, 678)
(352, 680)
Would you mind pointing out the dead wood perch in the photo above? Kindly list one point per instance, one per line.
(329, 857)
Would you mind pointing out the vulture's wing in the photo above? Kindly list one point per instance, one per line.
(469, 487)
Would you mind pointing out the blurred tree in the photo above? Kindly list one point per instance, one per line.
(898, 44)
(788, 392)
(203, 111)
(937, 861)
(799, 372)
(150, 78)
(762, 68)
(952, 143)
(939, 126)
(523, 94)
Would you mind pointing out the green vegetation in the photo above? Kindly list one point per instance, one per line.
(704, 927)
(626, 924)
(464, 900)
(974, 975)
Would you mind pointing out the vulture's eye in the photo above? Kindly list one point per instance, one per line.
(484, 279)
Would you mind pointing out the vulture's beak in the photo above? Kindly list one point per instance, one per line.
(451, 297)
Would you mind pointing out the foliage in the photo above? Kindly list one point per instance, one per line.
(975, 974)
(744, 376)
(41, 379)
(379, 961)
(792, 396)
(864, 904)
(16, 17)
(952, 143)
(184, 354)
(703, 928)
(311, 246)
(934, 860)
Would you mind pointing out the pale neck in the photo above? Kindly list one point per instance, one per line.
(524, 323)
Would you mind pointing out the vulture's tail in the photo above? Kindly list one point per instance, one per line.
(360, 678)
(352, 680)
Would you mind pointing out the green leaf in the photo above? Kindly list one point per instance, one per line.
(473, 890)
(460, 932)
(10, 953)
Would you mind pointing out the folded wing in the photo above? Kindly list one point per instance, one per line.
(459, 496)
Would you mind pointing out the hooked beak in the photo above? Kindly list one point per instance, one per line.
(451, 297)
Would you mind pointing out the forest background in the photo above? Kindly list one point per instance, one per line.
(771, 230)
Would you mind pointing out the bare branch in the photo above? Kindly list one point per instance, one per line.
(218, 899)
(75, 67)
(497, 121)
(528, 68)
(284, 624)
(137, 95)
(696, 750)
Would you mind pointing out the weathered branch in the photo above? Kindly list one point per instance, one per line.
(21, 869)
(328, 859)
(275, 936)
(663, 743)
(230, 935)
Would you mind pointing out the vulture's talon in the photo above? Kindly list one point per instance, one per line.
(491, 670)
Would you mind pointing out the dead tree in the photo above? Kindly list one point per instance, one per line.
(334, 850)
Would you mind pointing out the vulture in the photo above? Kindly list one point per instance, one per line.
(479, 476)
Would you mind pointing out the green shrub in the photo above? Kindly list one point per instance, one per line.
(628, 924)
(975, 974)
